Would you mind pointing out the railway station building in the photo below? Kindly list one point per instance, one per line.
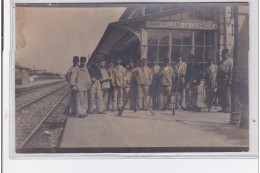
(172, 30)
(159, 31)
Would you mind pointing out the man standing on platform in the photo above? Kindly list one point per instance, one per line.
(81, 82)
(210, 81)
(167, 77)
(193, 76)
(105, 83)
(96, 95)
(117, 76)
(224, 81)
(71, 106)
(130, 87)
(143, 80)
(154, 88)
(180, 73)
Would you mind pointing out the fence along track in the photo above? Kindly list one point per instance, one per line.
(43, 120)
(38, 99)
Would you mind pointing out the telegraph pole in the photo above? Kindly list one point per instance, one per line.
(235, 114)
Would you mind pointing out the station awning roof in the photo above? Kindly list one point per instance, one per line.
(117, 36)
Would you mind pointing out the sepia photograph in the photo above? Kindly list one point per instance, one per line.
(131, 77)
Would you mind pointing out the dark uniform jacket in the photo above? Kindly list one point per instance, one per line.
(193, 74)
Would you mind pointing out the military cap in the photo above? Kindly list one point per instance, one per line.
(143, 59)
(166, 60)
(225, 51)
(83, 58)
(75, 58)
(102, 60)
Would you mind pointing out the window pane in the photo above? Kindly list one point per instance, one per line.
(152, 52)
(209, 38)
(187, 37)
(186, 52)
(199, 37)
(198, 15)
(187, 16)
(164, 37)
(176, 37)
(209, 14)
(209, 53)
(153, 36)
(198, 53)
(176, 52)
(163, 52)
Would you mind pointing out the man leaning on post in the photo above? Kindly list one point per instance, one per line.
(81, 82)
(224, 79)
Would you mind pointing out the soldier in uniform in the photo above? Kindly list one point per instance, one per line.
(143, 78)
(81, 82)
(167, 77)
(96, 95)
(154, 88)
(180, 73)
(105, 83)
(130, 87)
(210, 80)
(193, 76)
(71, 106)
(224, 79)
(117, 76)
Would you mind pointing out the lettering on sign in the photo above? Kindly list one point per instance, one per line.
(181, 25)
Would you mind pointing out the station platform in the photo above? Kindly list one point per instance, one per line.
(185, 129)
(38, 83)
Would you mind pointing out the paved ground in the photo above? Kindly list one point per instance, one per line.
(185, 129)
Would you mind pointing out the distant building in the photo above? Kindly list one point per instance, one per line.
(21, 75)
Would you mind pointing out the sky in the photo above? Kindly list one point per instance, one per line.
(48, 38)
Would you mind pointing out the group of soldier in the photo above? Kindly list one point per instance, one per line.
(97, 87)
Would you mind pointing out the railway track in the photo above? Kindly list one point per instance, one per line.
(23, 91)
(31, 116)
(40, 98)
(29, 137)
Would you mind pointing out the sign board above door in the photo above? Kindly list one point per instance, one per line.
(181, 25)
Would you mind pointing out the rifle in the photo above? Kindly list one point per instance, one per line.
(213, 99)
(169, 98)
(120, 112)
(150, 108)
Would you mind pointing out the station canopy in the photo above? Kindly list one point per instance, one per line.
(120, 38)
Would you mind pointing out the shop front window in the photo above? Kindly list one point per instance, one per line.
(153, 37)
(186, 37)
(176, 37)
(173, 43)
(199, 38)
(163, 53)
(163, 36)
(152, 52)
